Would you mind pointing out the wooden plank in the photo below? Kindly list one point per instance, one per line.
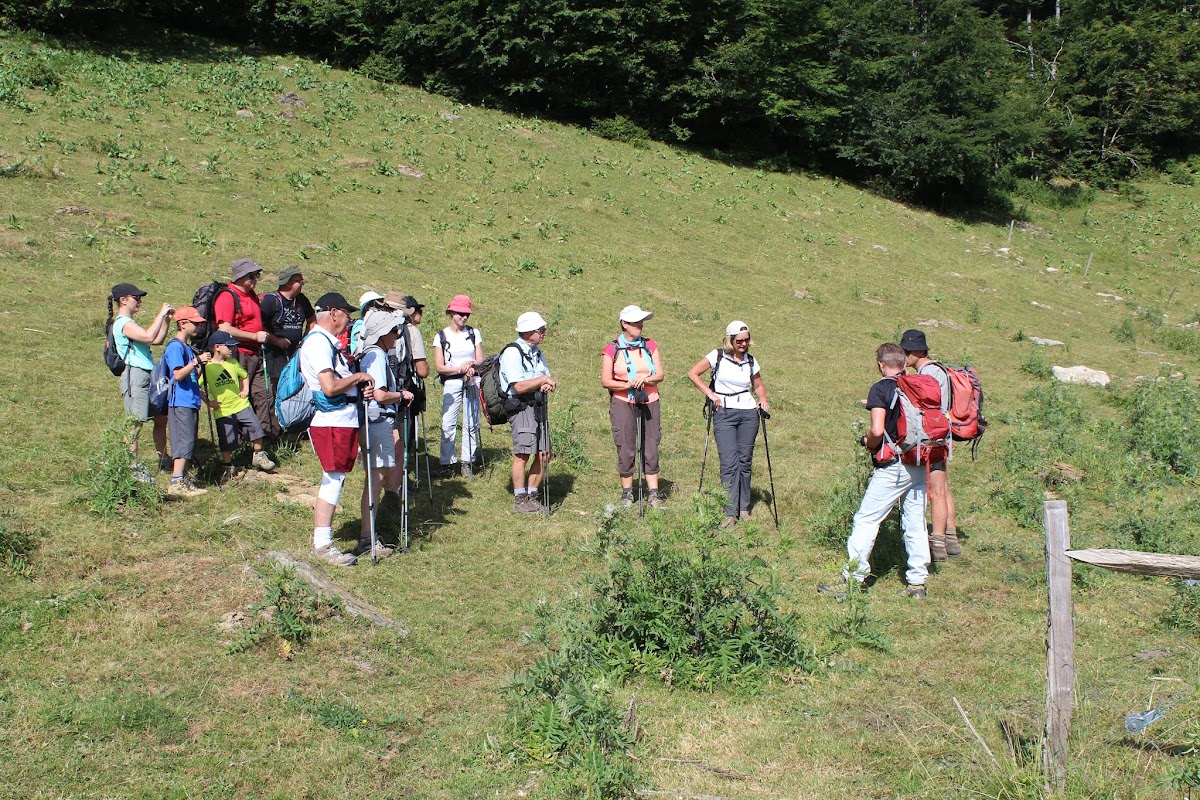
(1060, 644)
(355, 605)
(1163, 564)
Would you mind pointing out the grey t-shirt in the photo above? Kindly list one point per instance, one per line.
(938, 374)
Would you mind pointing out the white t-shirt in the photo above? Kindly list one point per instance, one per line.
(374, 362)
(462, 349)
(733, 380)
(316, 356)
(521, 363)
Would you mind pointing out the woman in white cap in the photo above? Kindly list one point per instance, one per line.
(370, 301)
(132, 343)
(631, 369)
(736, 392)
(457, 350)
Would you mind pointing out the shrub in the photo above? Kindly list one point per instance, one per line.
(108, 484)
(1164, 424)
(290, 611)
(564, 435)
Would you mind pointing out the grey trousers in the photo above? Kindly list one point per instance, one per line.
(735, 430)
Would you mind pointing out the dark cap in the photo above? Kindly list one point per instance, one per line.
(328, 302)
(243, 267)
(126, 290)
(288, 273)
(913, 340)
(411, 302)
(221, 337)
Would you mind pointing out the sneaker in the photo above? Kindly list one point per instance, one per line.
(382, 550)
(627, 498)
(165, 463)
(184, 488)
(914, 591)
(655, 501)
(334, 556)
(953, 548)
(728, 522)
(467, 472)
(838, 591)
(139, 473)
(937, 548)
(263, 461)
(744, 516)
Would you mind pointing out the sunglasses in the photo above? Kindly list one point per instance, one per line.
(742, 341)
(542, 331)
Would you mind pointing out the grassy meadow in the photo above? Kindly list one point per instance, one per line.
(161, 163)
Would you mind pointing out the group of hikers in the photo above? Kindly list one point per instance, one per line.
(238, 353)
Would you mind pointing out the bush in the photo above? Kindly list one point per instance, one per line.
(108, 483)
(621, 129)
(1164, 424)
(290, 611)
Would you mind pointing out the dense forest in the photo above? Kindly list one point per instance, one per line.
(938, 100)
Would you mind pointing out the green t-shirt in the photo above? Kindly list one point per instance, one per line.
(224, 384)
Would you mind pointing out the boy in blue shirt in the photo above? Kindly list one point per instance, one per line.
(183, 401)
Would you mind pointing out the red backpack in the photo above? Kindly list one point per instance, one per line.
(966, 405)
(923, 432)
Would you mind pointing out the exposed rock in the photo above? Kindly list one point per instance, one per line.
(291, 99)
(245, 112)
(1108, 296)
(446, 115)
(1045, 342)
(1051, 269)
(879, 247)
(73, 211)
(411, 172)
(287, 113)
(1039, 305)
(1081, 374)
(800, 294)
(949, 324)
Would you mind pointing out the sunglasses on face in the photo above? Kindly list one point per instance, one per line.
(742, 341)
(542, 331)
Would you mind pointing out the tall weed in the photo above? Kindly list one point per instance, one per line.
(1164, 424)
(290, 611)
(108, 484)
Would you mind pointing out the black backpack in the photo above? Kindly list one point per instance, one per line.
(112, 359)
(498, 406)
(446, 350)
(205, 301)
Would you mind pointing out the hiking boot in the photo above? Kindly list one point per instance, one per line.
(263, 461)
(914, 591)
(467, 472)
(534, 502)
(184, 488)
(744, 516)
(445, 471)
(526, 504)
(953, 548)
(937, 548)
(334, 556)
(139, 473)
(728, 522)
(382, 550)
(165, 463)
(655, 500)
(838, 591)
(627, 498)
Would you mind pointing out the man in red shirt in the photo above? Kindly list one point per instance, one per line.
(238, 313)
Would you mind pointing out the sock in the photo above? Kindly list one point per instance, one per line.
(322, 537)
(519, 493)
(654, 491)
(176, 478)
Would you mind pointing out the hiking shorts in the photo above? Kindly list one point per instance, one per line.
(624, 419)
(937, 466)
(135, 386)
(525, 432)
(382, 452)
(228, 427)
(182, 424)
(336, 448)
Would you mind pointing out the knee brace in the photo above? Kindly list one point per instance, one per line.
(331, 487)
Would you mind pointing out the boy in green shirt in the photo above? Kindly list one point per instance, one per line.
(229, 393)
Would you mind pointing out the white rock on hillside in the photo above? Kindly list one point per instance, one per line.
(1045, 342)
(1080, 374)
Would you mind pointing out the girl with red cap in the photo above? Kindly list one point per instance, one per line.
(457, 350)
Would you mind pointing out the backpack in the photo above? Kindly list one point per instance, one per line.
(205, 302)
(112, 359)
(446, 351)
(922, 429)
(643, 344)
(712, 380)
(295, 403)
(161, 382)
(498, 406)
(967, 423)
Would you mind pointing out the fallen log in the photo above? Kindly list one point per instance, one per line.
(354, 605)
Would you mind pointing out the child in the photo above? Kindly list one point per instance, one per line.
(229, 392)
(183, 401)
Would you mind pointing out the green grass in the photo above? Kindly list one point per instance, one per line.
(129, 166)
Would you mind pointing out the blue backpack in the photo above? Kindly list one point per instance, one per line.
(161, 382)
(295, 403)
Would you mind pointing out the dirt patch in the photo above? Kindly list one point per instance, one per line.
(73, 211)
(291, 99)
(356, 163)
(411, 172)
(292, 490)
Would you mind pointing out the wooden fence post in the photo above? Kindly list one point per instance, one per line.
(1060, 644)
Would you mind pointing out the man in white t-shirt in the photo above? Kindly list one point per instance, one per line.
(525, 377)
(943, 542)
(334, 428)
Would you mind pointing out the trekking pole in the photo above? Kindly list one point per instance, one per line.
(762, 412)
(639, 445)
(404, 489)
(212, 434)
(425, 442)
(476, 428)
(708, 421)
(545, 426)
(366, 426)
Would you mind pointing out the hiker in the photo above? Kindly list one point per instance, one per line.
(943, 541)
(892, 481)
(378, 338)
(457, 350)
(631, 369)
(411, 365)
(183, 400)
(239, 314)
(334, 428)
(228, 386)
(526, 379)
(737, 393)
(368, 302)
(287, 314)
(133, 345)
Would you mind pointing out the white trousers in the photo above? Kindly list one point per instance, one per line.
(452, 404)
(889, 485)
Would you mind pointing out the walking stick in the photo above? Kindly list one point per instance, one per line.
(476, 430)
(404, 489)
(708, 422)
(545, 427)
(762, 412)
(366, 427)
(639, 444)
(212, 433)
(425, 442)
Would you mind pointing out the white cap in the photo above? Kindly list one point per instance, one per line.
(378, 324)
(736, 327)
(369, 297)
(635, 314)
(530, 321)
